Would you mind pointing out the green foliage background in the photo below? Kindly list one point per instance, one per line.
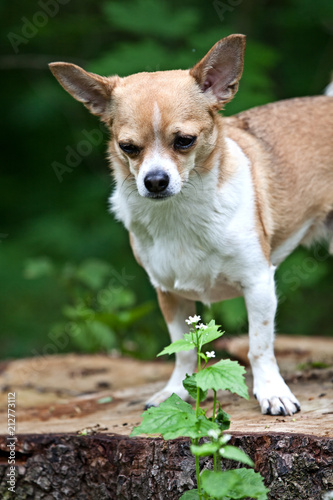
(289, 53)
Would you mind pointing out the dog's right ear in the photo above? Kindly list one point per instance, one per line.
(219, 72)
(92, 90)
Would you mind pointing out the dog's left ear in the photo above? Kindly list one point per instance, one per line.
(220, 70)
(92, 90)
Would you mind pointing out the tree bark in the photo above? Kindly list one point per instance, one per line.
(118, 467)
(74, 415)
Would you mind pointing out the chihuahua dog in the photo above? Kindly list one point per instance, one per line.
(214, 204)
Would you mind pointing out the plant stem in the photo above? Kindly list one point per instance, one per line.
(197, 406)
(197, 468)
(217, 461)
(199, 369)
(214, 407)
(196, 442)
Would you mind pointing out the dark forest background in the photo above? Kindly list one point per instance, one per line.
(68, 280)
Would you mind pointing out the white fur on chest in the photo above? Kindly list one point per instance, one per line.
(201, 243)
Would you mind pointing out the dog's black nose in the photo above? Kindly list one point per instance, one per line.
(156, 181)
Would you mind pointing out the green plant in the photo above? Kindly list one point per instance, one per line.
(99, 311)
(175, 418)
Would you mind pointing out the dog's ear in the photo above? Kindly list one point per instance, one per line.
(92, 90)
(220, 70)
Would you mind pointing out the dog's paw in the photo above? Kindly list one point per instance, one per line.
(164, 394)
(275, 398)
(277, 405)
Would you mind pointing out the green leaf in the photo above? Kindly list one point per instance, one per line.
(37, 268)
(103, 401)
(191, 386)
(225, 375)
(223, 419)
(174, 418)
(179, 345)
(78, 312)
(193, 339)
(190, 495)
(102, 335)
(92, 336)
(205, 449)
(110, 319)
(211, 333)
(124, 319)
(93, 273)
(133, 315)
(233, 453)
(113, 298)
(236, 484)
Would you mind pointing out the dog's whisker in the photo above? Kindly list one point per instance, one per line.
(131, 193)
(126, 179)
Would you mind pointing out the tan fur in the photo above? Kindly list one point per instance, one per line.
(134, 250)
(290, 146)
(92, 90)
(168, 303)
(132, 121)
(289, 143)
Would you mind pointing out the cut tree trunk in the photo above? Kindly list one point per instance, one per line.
(74, 415)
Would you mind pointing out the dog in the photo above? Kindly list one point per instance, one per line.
(213, 204)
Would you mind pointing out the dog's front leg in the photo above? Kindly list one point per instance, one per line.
(272, 393)
(175, 310)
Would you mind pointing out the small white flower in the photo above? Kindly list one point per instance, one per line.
(204, 327)
(224, 439)
(193, 319)
(210, 354)
(213, 434)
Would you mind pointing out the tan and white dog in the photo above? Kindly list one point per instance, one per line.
(214, 204)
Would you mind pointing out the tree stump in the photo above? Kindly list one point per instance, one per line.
(74, 414)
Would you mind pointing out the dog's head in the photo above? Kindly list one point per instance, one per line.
(162, 124)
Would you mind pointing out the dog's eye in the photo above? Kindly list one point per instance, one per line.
(129, 149)
(184, 142)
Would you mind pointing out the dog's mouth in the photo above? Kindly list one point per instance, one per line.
(158, 196)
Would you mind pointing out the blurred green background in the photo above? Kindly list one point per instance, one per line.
(68, 280)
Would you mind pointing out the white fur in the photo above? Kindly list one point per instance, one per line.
(156, 120)
(157, 161)
(203, 245)
(269, 387)
(193, 242)
(329, 89)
